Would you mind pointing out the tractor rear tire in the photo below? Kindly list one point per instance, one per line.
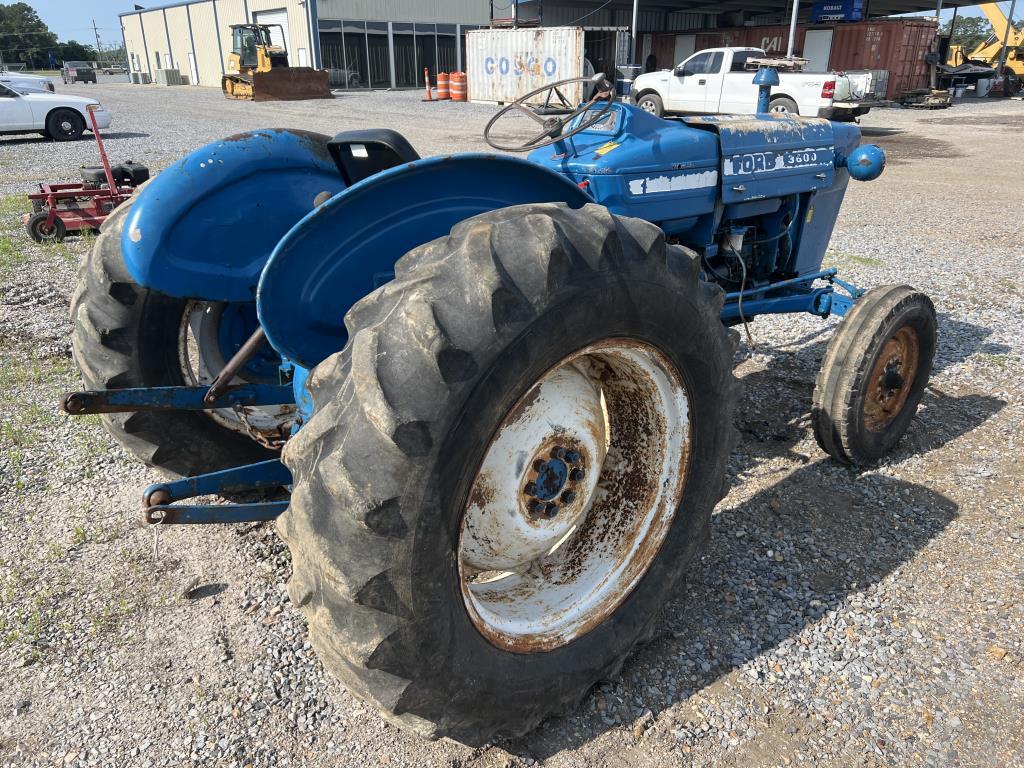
(389, 469)
(874, 374)
(128, 336)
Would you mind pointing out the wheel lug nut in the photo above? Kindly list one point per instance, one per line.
(572, 457)
(569, 497)
(576, 475)
(536, 508)
(551, 510)
(530, 489)
(558, 453)
(538, 465)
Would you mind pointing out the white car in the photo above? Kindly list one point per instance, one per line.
(20, 79)
(55, 115)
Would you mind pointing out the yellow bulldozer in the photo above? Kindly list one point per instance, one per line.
(258, 70)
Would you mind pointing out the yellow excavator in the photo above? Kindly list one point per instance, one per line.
(257, 69)
(987, 52)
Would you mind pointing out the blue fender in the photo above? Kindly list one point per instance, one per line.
(204, 227)
(348, 246)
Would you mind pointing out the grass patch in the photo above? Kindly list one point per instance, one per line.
(866, 261)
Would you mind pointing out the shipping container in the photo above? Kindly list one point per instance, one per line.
(898, 46)
(503, 65)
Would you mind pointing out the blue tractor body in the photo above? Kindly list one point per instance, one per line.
(291, 230)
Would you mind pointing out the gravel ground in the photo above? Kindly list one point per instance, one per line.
(838, 618)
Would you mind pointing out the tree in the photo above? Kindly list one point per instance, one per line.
(73, 50)
(24, 36)
(970, 31)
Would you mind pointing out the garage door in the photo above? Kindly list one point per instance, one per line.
(279, 16)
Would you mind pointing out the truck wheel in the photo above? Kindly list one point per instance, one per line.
(874, 374)
(128, 336)
(509, 466)
(783, 105)
(38, 231)
(64, 125)
(651, 102)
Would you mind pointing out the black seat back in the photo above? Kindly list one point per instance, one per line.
(360, 154)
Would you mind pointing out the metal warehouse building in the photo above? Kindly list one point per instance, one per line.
(362, 43)
(388, 43)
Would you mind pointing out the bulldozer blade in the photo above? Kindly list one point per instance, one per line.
(290, 84)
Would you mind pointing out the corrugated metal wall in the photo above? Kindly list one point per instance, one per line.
(209, 21)
(181, 41)
(209, 57)
(444, 11)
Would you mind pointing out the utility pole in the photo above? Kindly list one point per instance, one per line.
(99, 51)
(792, 30)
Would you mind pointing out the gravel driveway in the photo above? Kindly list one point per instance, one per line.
(838, 618)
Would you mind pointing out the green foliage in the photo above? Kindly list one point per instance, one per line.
(969, 32)
(26, 38)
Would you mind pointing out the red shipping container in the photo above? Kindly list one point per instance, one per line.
(896, 45)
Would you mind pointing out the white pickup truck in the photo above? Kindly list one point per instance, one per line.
(716, 80)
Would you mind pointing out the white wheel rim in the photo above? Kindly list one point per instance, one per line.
(781, 108)
(201, 361)
(605, 437)
(647, 106)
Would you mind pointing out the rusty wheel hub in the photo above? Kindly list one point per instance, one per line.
(891, 379)
(574, 496)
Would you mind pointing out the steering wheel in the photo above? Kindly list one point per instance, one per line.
(553, 126)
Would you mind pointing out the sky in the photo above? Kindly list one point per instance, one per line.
(72, 19)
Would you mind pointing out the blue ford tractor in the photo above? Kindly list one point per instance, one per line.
(497, 393)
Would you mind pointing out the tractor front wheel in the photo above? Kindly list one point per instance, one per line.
(509, 467)
(126, 335)
(874, 374)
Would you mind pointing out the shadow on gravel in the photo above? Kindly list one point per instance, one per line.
(871, 131)
(205, 590)
(107, 136)
(777, 563)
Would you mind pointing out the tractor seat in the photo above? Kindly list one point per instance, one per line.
(361, 154)
(128, 173)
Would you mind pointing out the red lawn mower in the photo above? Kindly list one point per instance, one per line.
(61, 208)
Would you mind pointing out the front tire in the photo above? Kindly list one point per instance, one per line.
(64, 125)
(783, 105)
(38, 231)
(651, 103)
(417, 484)
(874, 374)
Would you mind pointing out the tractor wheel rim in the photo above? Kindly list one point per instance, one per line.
(201, 358)
(575, 496)
(891, 379)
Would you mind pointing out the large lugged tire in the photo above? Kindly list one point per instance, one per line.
(874, 374)
(539, 370)
(128, 336)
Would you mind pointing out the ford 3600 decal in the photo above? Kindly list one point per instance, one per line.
(744, 165)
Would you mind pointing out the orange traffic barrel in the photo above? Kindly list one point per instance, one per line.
(443, 92)
(458, 86)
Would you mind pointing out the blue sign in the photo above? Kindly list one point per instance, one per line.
(837, 10)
